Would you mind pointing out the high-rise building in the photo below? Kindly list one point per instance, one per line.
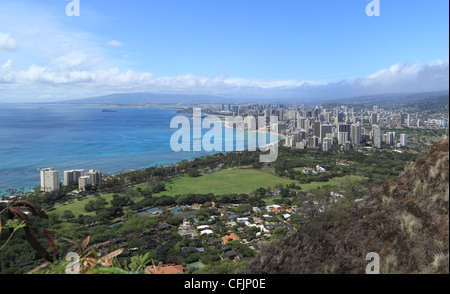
(316, 128)
(331, 137)
(342, 138)
(408, 121)
(374, 118)
(356, 134)
(377, 136)
(327, 116)
(403, 118)
(281, 116)
(235, 109)
(303, 123)
(84, 181)
(345, 128)
(49, 179)
(390, 138)
(340, 118)
(95, 176)
(313, 142)
(404, 140)
(324, 130)
(326, 145)
(347, 145)
(72, 176)
(291, 114)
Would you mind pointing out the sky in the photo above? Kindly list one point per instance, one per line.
(296, 49)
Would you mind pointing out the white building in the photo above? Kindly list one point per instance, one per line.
(342, 138)
(72, 176)
(356, 134)
(320, 169)
(83, 182)
(50, 179)
(270, 207)
(95, 175)
(242, 219)
(390, 138)
(326, 145)
(377, 136)
(206, 232)
(403, 140)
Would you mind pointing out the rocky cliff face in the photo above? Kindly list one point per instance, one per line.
(405, 221)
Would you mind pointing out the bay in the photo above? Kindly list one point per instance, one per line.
(36, 136)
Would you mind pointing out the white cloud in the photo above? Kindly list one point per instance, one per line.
(65, 77)
(7, 43)
(114, 43)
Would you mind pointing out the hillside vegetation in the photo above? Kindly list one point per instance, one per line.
(405, 221)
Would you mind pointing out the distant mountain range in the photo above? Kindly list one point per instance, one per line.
(396, 99)
(147, 98)
(184, 99)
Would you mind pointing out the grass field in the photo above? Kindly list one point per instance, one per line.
(243, 180)
(238, 180)
(234, 180)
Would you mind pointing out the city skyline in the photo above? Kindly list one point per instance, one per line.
(301, 49)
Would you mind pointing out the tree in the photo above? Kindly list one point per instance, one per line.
(193, 173)
(119, 201)
(68, 215)
(95, 205)
(280, 231)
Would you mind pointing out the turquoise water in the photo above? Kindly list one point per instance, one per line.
(66, 137)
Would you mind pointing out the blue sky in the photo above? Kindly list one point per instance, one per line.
(262, 48)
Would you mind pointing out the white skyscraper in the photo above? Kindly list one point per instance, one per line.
(83, 181)
(408, 121)
(390, 138)
(377, 137)
(49, 179)
(342, 138)
(356, 134)
(326, 145)
(95, 176)
(72, 176)
(404, 140)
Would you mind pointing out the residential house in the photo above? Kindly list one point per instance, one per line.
(206, 232)
(165, 269)
(230, 237)
(233, 255)
(242, 220)
(270, 207)
(230, 224)
(257, 220)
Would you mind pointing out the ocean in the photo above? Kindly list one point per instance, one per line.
(66, 137)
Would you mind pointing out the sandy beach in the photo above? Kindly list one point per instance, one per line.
(230, 125)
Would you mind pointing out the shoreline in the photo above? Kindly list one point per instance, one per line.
(30, 189)
(228, 125)
(32, 176)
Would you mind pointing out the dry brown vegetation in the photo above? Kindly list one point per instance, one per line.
(405, 221)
